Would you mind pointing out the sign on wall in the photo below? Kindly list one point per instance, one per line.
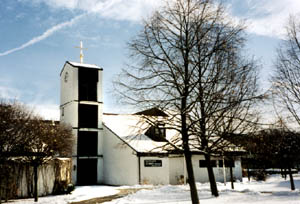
(153, 163)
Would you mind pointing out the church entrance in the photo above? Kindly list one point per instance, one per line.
(86, 172)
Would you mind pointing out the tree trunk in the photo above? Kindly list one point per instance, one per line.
(248, 174)
(231, 178)
(35, 171)
(7, 187)
(186, 147)
(291, 179)
(0, 193)
(285, 173)
(191, 178)
(211, 176)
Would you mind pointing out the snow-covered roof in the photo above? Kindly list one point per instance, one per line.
(143, 143)
(77, 64)
(125, 125)
(131, 129)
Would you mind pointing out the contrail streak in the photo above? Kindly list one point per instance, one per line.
(46, 34)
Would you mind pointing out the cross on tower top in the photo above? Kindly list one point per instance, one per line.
(81, 51)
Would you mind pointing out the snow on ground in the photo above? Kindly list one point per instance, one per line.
(273, 191)
(79, 194)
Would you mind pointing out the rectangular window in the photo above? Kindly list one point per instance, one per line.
(203, 163)
(228, 163)
(153, 163)
(87, 143)
(88, 79)
(88, 116)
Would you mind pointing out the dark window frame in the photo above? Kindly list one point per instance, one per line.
(157, 132)
(87, 84)
(87, 143)
(203, 163)
(87, 171)
(228, 163)
(87, 116)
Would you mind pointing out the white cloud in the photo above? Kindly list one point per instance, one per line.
(47, 111)
(8, 93)
(269, 18)
(265, 17)
(45, 35)
(132, 10)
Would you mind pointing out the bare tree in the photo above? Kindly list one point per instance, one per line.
(179, 66)
(286, 79)
(13, 118)
(30, 139)
(227, 93)
(275, 148)
(43, 141)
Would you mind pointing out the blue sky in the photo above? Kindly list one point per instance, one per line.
(38, 36)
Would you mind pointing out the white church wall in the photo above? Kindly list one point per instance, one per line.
(74, 170)
(176, 165)
(69, 84)
(237, 170)
(176, 170)
(219, 174)
(120, 165)
(100, 170)
(100, 142)
(100, 115)
(201, 174)
(75, 140)
(74, 157)
(155, 174)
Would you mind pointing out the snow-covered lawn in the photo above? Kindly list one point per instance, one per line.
(274, 190)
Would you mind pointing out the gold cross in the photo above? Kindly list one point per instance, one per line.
(81, 51)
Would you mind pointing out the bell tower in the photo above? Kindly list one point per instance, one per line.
(81, 107)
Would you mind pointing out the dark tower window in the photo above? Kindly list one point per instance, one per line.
(87, 171)
(88, 116)
(87, 143)
(87, 80)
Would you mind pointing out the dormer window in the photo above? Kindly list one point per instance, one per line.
(157, 132)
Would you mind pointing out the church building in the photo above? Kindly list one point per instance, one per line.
(119, 149)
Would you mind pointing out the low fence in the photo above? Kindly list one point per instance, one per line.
(16, 178)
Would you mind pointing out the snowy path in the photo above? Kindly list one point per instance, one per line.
(79, 194)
